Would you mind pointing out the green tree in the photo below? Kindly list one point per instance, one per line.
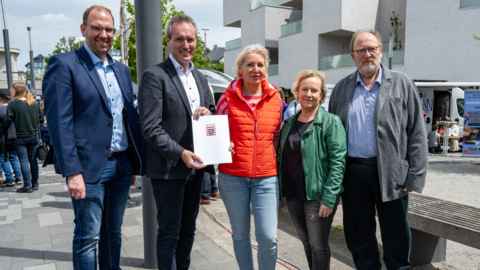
(65, 45)
(475, 37)
(395, 22)
(169, 10)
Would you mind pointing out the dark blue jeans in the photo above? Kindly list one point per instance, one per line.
(177, 209)
(12, 157)
(361, 197)
(209, 185)
(26, 149)
(99, 217)
(313, 233)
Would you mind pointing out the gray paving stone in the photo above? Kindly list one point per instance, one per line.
(10, 237)
(50, 266)
(133, 240)
(48, 219)
(3, 218)
(134, 251)
(25, 223)
(129, 220)
(233, 265)
(20, 263)
(64, 265)
(5, 251)
(213, 253)
(65, 235)
(5, 227)
(42, 246)
(52, 256)
(59, 229)
(34, 238)
(5, 262)
(197, 260)
(62, 243)
(26, 231)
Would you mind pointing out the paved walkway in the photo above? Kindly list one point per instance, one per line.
(36, 231)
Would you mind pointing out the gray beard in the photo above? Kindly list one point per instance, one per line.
(370, 70)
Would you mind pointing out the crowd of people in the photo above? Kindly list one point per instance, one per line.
(368, 149)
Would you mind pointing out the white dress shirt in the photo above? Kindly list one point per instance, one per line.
(189, 83)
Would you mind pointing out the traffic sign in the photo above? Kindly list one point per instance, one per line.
(28, 85)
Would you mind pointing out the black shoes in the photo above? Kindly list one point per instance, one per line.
(18, 181)
(35, 187)
(27, 189)
(9, 183)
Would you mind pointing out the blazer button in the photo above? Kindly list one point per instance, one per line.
(108, 146)
(110, 124)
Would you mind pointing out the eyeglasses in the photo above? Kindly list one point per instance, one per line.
(98, 30)
(371, 50)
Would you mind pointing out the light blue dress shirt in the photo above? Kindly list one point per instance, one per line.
(361, 130)
(115, 100)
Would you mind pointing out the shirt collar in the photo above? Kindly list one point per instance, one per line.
(95, 58)
(378, 80)
(177, 65)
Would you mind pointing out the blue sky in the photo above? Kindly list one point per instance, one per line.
(52, 19)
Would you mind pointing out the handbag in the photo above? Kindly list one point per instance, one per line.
(42, 150)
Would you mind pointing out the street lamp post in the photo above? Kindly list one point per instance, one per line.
(32, 71)
(6, 43)
(205, 31)
(148, 29)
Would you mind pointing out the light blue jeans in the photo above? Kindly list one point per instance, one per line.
(262, 192)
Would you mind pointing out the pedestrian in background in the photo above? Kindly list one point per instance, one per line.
(25, 113)
(210, 188)
(96, 138)
(8, 156)
(312, 160)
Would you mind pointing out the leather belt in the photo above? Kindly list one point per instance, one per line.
(363, 161)
(116, 154)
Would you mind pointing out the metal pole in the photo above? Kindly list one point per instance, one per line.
(6, 43)
(32, 68)
(148, 26)
(390, 51)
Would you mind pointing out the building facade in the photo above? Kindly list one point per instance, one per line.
(436, 36)
(3, 67)
(39, 66)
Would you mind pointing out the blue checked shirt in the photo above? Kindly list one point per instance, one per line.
(115, 100)
(361, 130)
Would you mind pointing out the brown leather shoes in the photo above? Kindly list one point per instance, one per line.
(215, 194)
(206, 202)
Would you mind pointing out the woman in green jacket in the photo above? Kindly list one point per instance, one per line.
(312, 162)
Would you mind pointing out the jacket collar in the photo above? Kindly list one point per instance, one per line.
(319, 118)
(268, 89)
(178, 84)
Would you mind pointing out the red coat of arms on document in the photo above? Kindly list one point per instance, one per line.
(211, 130)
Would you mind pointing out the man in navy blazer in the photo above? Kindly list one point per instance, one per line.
(170, 94)
(96, 138)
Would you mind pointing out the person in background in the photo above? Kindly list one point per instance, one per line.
(282, 97)
(312, 160)
(292, 109)
(25, 113)
(434, 140)
(210, 188)
(15, 177)
(251, 178)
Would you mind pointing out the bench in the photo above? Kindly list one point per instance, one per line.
(433, 221)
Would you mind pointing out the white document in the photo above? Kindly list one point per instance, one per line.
(211, 139)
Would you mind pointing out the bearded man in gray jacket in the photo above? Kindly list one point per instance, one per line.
(387, 154)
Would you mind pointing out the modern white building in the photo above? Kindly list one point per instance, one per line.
(3, 67)
(436, 36)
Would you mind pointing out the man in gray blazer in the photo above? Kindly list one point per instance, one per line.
(169, 95)
(387, 154)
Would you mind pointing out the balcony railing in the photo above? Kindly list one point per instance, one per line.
(345, 60)
(233, 44)
(292, 28)
(272, 70)
(469, 3)
(254, 4)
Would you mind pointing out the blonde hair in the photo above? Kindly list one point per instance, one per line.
(21, 91)
(308, 74)
(367, 30)
(254, 48)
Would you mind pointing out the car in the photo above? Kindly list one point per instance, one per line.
(218, 81)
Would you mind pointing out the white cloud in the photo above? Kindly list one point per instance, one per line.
(52, 18)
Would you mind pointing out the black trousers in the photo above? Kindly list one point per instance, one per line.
(361, 197)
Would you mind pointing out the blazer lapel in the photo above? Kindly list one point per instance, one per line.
(87, 63)
(121, 83)
(178, 84)
(383, 94)
(350, 86)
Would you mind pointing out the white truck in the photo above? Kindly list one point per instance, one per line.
(446, 99)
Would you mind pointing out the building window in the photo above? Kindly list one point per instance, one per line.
(469, 3)
(36, 64)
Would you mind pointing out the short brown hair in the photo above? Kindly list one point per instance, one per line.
(282, 95)
(434, 127)
(88, 10)
(179, 18)
(367, 30)
(308, 74)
